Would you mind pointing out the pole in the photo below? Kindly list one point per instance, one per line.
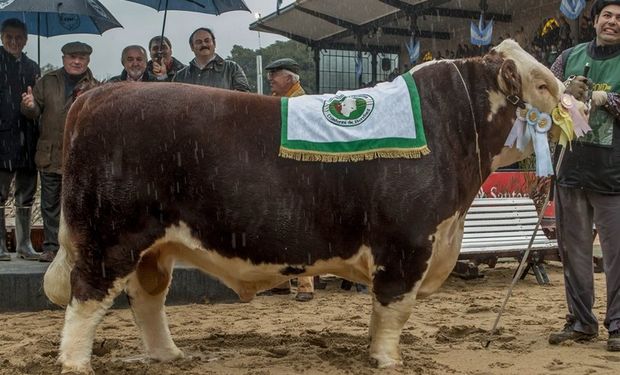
(39, 39)
(163, 28)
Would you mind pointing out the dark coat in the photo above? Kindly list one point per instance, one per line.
(224, 74)
(18, 134)
(176, 66)
(146, 77)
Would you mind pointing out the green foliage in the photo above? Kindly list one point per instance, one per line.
(297, 51)
(47, 68)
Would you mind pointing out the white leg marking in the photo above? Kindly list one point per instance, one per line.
(386, 326)
(150, 317)
(81, 321)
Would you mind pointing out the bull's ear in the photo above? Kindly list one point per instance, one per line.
(510, 78)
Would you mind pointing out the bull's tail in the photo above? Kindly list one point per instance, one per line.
(56, 282)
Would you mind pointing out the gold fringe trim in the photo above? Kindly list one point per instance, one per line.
(333, 157)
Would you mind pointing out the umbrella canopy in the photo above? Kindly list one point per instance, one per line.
(53, 24)
(198, 6)
(54, 17)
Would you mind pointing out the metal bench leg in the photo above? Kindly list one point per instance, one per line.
(540, 273)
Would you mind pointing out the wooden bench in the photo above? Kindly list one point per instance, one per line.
(501, 228)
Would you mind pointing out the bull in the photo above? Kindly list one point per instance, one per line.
(147, 182)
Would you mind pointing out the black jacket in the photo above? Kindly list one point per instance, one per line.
(176, 66)
(146, 77)
(18, 134)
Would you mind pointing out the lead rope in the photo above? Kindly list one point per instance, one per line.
(473, 116)
(525, 257)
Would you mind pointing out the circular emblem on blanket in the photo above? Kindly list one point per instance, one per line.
(348, 110)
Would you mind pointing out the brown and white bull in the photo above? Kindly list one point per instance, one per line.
(155, 173)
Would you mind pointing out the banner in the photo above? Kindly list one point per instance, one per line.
(481, 34)
(571, 9)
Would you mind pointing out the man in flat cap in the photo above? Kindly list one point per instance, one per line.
(283, 76)
(49, 101)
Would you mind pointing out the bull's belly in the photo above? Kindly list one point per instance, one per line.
(243, 276)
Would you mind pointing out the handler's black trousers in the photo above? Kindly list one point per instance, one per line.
(576, 210)
(51, 187)
(25, 186)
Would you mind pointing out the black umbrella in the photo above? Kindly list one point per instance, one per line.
(198, 6)
(52, 17)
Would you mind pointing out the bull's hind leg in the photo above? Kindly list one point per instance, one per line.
(147, 289)
(81, 320)
(386, 325)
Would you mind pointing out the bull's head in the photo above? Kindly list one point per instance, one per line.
(523, 80)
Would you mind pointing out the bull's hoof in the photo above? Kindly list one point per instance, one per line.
(167, 356)
(382, 360)
(68, 369)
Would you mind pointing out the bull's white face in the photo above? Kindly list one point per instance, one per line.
(540, 88)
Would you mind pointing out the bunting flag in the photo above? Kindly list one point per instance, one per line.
(413, 47)
(358, 68)
(571, 9)
(481, 34)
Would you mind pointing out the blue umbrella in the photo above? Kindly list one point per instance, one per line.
(52, 17)
(198, 6)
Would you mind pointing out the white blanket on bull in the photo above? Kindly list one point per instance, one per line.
(384, 121)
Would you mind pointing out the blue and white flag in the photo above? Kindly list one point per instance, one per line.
(481, 34)
(572, 8)
(358, 68)
(413, 47)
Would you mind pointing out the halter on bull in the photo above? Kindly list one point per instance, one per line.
(197, 191)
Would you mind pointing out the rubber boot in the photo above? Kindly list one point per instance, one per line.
(4, 251)
(24, 247)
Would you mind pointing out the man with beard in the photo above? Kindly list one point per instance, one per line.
(162, 66)
(208, 68)
(588, 181)
(133, 59)
(49, 101)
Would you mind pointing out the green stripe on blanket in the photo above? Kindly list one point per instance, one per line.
(380, 122)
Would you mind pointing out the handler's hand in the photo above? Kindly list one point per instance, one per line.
(599, 98)
(28, 98)
(159, 70)
(578, 88)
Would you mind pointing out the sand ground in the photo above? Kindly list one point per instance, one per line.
(276, 335)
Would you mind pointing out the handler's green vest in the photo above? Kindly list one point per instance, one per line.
(605, 74)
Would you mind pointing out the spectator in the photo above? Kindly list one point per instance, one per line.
(588, 182)
(208, 68)
(19, 137)
(49, 100)
(283, 76)
(133, 59)
(162, 66)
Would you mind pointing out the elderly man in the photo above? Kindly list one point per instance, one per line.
(133, 59)
(18, 136)
(208, 68)
(162, 67)
(588, 182)
(283, 76)
(49, 101)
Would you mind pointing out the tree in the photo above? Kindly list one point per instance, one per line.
(47, 68)
(297, 51)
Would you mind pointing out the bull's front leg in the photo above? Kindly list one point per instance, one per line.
(81, 320)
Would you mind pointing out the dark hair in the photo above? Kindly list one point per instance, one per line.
(200, 29)
(157, 39)
(15, 23)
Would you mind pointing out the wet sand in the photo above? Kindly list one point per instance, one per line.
(276, 335)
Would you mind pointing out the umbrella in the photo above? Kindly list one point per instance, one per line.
(52, 17)
(198, 6)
